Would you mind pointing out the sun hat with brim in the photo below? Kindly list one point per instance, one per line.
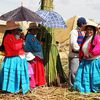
(29, 56)
(91, 23)
(33, 26)
(11, 25)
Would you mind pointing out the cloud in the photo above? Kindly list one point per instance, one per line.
(66, 8)
(25, 3)
(7, 5)
(95, 5)
(60, 2)
(86, 8)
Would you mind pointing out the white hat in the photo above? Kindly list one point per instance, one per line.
(91, 23)
(98, 25)
(29, 56)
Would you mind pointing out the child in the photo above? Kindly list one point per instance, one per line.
(30, 57)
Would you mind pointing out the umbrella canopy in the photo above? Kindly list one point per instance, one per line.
(21, 14)
(52, 19)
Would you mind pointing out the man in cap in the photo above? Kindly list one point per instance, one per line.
(76, 37)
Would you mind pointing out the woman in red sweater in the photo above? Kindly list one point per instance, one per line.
(14, 67)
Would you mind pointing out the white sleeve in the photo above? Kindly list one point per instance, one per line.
(73, 40)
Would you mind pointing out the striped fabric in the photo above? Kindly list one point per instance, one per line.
(52, 19)
(15, 75)
(80, 38)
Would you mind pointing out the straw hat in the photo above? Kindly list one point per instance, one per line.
(99, 26)
(29, 56)
(91, 23)
(10, 25)
(33, 26)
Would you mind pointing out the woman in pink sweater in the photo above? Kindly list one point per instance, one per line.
(88, 73)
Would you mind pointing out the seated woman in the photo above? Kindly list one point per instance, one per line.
(88, 74)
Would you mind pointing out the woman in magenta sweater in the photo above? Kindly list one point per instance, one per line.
(88, 73)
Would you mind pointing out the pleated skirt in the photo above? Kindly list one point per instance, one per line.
(39, 72)
(88, 76)
(15, 74)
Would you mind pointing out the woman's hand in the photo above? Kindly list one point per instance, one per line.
(90, 55)
(22, 36)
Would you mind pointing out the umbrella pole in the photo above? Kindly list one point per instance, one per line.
(54, 71)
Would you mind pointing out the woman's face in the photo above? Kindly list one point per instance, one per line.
(89, 31)
(15, 31)
(34, 31)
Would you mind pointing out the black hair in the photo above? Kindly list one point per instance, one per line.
(19, 29)
(29, 30)
(26, 35)
(92, 45)
(94, 30)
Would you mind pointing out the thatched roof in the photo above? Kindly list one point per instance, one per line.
(62, 35)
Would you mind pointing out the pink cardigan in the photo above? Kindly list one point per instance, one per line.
(96, 50)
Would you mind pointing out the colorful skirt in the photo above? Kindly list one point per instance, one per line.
(39, 73)
(88, 76)
(15, 75)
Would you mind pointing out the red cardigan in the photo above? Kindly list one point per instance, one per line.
(13, 46)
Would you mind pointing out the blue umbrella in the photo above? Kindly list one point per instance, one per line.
(52, 19)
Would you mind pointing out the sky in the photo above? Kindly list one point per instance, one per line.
(66, 8)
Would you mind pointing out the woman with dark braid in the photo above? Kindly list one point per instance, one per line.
(88, 73)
